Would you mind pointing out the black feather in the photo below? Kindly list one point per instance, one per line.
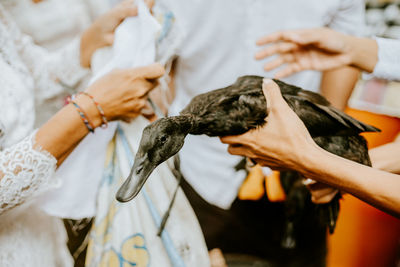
(241, 107)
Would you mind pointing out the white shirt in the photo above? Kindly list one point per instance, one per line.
(218, 47)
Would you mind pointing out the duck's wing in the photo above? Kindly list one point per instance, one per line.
(227, 111)
(321, 104)
(346, 119)
(202, 103)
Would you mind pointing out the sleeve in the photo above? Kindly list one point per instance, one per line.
(349, 17)
(25, 172)
(53, 72)
(388, 66)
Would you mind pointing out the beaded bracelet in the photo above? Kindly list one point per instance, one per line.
(101, 111)
(88, 125)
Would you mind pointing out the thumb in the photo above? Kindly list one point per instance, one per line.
(272, 94)
(149, 3)
(152, 71)
(123, 10)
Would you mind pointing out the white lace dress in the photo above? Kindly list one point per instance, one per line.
(28, 75)
(55, 25)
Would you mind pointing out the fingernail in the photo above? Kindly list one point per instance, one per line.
(267, 80)
(308, 181)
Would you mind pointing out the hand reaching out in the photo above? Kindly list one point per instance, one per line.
(316, 49)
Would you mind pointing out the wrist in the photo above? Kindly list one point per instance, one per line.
(309, 158)
(364, 53)
(90, 110)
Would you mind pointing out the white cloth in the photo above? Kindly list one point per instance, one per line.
(219, 46)
(28, 237)
(81, 173)
(388, 66)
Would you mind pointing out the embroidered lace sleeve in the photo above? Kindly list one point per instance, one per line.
(53, 72)
(25, 172)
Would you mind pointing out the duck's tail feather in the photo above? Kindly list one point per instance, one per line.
(322, 104)
(346, 119)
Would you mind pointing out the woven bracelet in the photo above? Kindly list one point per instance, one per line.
(99, 108)
(88, 125)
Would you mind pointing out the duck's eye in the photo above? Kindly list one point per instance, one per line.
(163, 139)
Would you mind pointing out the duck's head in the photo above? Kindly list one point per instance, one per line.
(160, 140)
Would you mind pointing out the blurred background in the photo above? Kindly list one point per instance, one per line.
(366, 236)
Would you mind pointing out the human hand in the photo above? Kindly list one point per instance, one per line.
(101, 32)
(316, 49)
(122, 94)
(282, 142)
(320, 193)
(217, 258)
(148, 112)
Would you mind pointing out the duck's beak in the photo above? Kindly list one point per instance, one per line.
(141, 170)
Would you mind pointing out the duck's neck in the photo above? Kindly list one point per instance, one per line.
(186, 122)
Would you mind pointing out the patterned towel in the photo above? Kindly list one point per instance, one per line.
(125, 234)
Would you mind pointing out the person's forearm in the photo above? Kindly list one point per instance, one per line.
(63, 132)
(337, 85)
(378, 188)
(386, 157)
(364, 53)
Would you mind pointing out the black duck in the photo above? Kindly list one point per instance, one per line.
(235, 110)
